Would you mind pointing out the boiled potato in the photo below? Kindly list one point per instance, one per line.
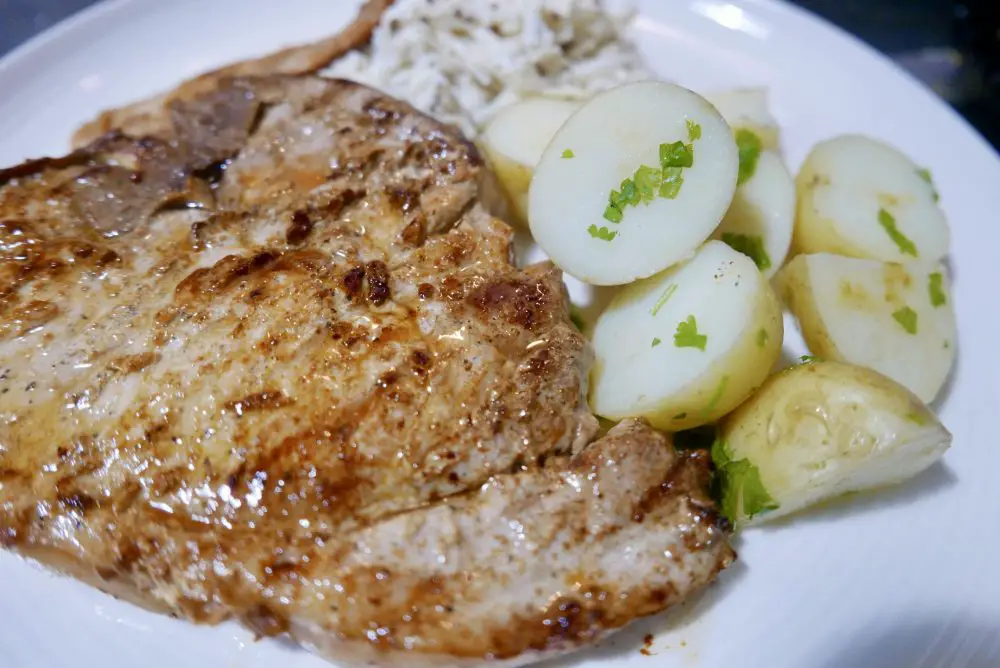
(817, 431)
(515, 139)
(686, 346)
(632, 183)
(749, 109)
(895, 318)
(760, 220)
(862, 198)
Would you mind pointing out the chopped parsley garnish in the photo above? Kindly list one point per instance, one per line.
(656, 342)
(694, 130)
(677, 154)
(680, 416)
(907, 319)
(612, 213)
(568, 153)
(925, 174)
(630, 194)
(602, 233)
(664, 298)
(888, 223)
(742, 493)
(749, 146)
(762, 338)
(808, 359)
(935, 286)
(617, 201)
(647, 182)
(642, 186)
(687, 335)
(751, 245)
(672, 182)
(720, 453)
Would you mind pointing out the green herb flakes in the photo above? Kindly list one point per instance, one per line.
(694, 130)
(751, 245)
(935, 286)
(656, 342)
(762, 338)
(907, 319)
(647, 182)
(749, 146)
(888, 223)
(677, 154)
(601, 233)
(687, 335)
(629, 194)
(742, 493)
(664, 298)
(567, 154)
(808, 359)
(641, 187)
(925, 174)
(672, 182)
(720, 453)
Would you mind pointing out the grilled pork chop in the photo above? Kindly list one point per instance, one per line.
(273, 363)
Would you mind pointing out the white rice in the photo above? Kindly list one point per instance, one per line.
(462, 60)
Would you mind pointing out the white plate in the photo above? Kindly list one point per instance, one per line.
(904, 578)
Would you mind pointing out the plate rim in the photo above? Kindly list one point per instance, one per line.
(13, 64)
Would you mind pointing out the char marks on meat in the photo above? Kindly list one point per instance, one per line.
(272, 362)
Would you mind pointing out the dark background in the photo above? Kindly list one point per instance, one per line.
(952, 45)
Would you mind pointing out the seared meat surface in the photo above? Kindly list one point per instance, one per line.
(272, 362)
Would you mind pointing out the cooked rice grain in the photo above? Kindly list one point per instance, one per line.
(462, 60)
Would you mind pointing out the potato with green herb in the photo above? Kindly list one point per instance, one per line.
(895, 318)
(761, 217)
(632, 183)
(686, 346)
(515, 140)
(817, 431)
(862, 198)
(748, 109)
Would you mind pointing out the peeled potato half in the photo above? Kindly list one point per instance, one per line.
(748, 108)
(515, 139)
(862, 198)
(761, 217)
(816, 431)
(895, 318)
(632, 183)
(686, 346)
